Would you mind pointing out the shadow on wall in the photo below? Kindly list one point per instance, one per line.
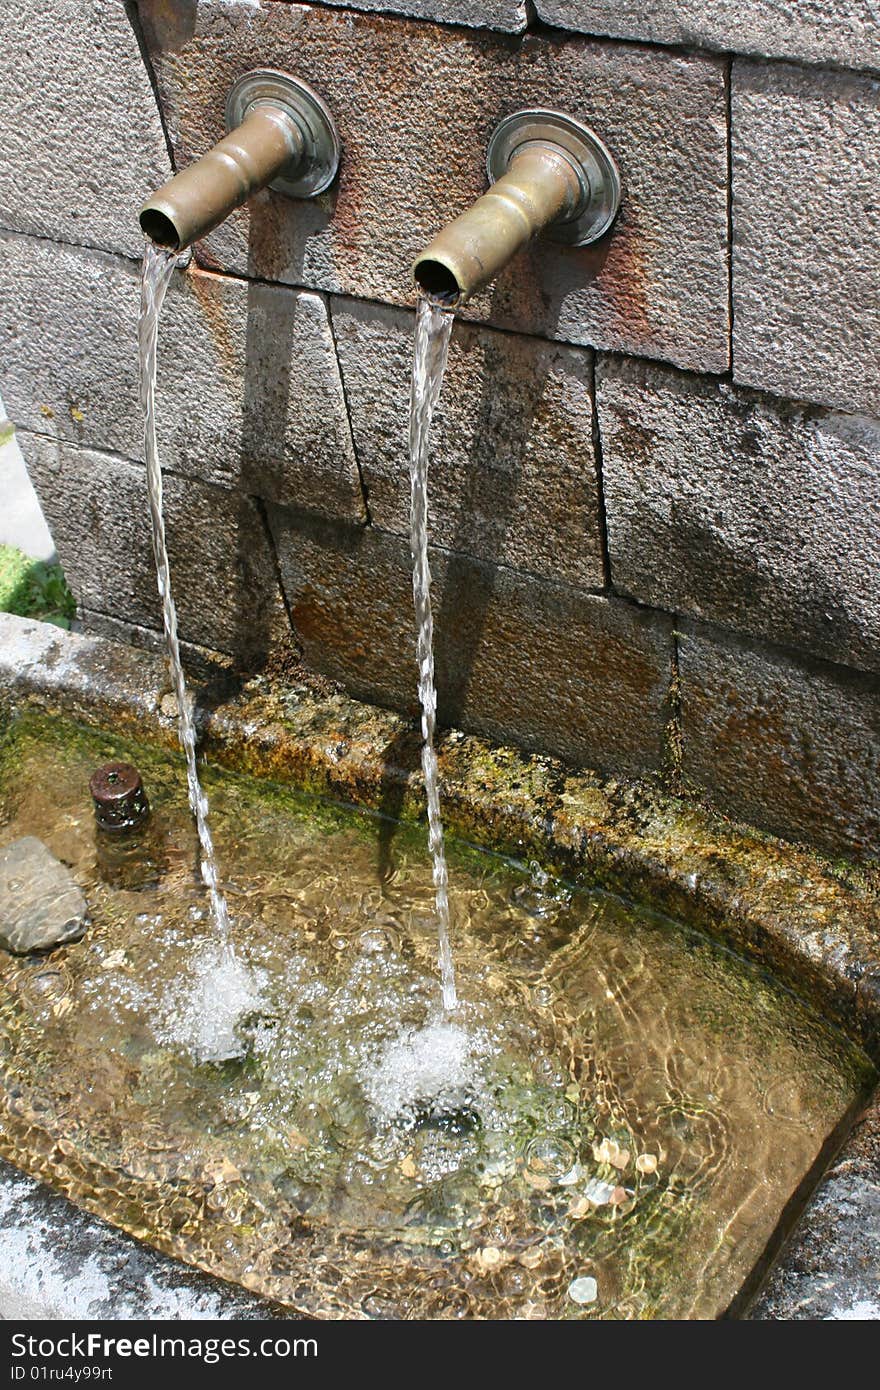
(268, 382)
(533, 289)
(455, 658)
(167, 24)
(255, 619)
(268, 365)
(728, 584)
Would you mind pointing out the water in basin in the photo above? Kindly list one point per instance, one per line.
(608, 1125)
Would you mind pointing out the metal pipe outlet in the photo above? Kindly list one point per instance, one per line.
(281, 135)
(548, 173)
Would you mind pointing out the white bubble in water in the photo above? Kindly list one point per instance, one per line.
(583, 1290)
(598, 1192)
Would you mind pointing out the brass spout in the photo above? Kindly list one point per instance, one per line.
(199, 198)
(548, 172)
(281, 135)
(539, 187)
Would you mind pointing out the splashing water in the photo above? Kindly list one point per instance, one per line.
(203, 1008)
(620, 1103)
(434, 1066)
(156, 273)
(433, 329)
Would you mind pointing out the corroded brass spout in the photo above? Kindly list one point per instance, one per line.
(539, 187)
(203, 195)
(548, 172)
(281, 135)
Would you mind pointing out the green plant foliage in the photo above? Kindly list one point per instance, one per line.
(33, 589)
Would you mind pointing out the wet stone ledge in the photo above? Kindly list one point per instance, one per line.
(59, 1262)
(830, 1268)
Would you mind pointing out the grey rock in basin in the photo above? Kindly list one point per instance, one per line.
(40, 903)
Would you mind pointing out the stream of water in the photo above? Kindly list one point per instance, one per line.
(158, 268)
(433, 330)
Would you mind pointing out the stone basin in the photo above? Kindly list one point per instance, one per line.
(675, 1019)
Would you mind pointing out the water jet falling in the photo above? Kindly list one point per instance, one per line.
(158, 267)
(281, 135)
(433, 329)
(549, 173)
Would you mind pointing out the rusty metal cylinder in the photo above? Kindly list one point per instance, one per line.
(119, 797)
(199, 198)
(541, 186)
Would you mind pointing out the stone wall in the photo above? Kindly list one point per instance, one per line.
(656, 501)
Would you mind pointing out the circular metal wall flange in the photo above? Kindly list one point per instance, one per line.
(589, 156)
(317, 166)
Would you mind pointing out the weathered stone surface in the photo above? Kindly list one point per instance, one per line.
(198, 662)
(221, 562)
(737, 508)
(543, 665)
(831, 1267)
(512, 474)
(415, 105)
(806, 234)
(90, 677)
(68, 343)
(817, 31)
(508, 15)
(249, 393)
(792, 747)
(80, 132)
(60, 1262)
(41, 905)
